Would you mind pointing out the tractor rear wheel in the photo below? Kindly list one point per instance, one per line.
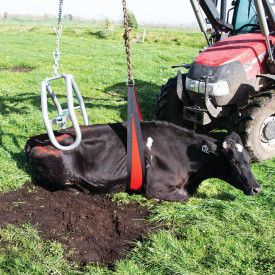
(258, 127)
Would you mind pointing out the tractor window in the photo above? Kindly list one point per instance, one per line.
(245, 13)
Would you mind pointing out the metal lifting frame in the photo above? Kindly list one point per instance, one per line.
(63, 115)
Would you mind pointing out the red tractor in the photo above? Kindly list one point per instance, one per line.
(231, 83)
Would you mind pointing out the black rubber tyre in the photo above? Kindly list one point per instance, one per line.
(254, 117)
(169, 106)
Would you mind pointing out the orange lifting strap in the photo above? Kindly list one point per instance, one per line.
(135, 150)
(135, 147)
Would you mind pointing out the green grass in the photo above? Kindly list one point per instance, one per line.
(23, 252)
(220, 231)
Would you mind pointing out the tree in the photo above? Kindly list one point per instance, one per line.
(106, 30)
(132, 20)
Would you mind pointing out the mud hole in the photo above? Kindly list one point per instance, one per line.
(96, 229)
(18, 69)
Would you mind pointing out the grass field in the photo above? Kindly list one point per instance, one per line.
(220, 231)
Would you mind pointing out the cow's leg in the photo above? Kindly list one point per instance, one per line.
(166, 188)
(76, 188)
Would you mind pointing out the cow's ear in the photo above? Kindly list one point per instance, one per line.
(233, 137)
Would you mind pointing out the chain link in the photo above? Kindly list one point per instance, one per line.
(58, 30)
(127, 41)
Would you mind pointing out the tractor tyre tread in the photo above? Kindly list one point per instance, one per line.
(169, 106)
(248, 123)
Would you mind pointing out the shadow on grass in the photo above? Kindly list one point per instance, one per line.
(19, 157)
(18, 104)
(146, 92)
(223, 196)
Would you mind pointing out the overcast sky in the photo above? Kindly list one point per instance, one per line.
(172, 12)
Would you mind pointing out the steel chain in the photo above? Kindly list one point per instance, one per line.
(127, 41)
(58, 30)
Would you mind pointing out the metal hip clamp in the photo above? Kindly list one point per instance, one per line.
(63, 115)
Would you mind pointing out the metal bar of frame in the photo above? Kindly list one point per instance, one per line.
(81, 102)
(54, 99)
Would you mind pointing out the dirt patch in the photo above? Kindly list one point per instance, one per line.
(96, 229)
(18, 69)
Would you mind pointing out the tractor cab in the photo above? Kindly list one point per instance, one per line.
(231, 18)
(245, 18)
(235, 67)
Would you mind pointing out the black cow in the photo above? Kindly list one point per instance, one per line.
(177, 160)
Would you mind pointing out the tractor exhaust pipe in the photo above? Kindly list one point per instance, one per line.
(201, 21)
(264, 26)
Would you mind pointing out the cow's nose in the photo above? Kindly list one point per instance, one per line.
(256, 190)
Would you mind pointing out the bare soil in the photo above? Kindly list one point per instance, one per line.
(95, 228)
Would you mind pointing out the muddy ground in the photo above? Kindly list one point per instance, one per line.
(96, 229)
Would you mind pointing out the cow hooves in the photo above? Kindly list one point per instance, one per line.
(72, 190)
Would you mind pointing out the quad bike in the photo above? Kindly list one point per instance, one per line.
(231, 83)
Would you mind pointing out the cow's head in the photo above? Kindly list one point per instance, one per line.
(237, 171)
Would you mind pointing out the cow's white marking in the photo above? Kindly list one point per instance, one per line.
(149, 143)
(239, 147)
(224, 145)
(205, 149)
(149, 146)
